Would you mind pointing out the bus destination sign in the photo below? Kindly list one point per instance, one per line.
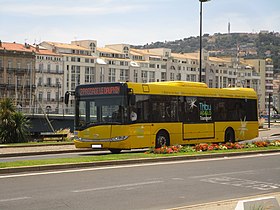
(87, 91)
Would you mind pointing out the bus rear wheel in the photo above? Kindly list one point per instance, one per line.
(115, 151)
(229, 135)
(162, 139)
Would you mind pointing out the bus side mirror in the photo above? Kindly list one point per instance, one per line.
(132, 99)
(66, 98)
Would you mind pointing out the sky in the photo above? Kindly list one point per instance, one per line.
(135, 22)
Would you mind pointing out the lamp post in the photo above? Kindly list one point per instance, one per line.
(58, 86)
(200, 41)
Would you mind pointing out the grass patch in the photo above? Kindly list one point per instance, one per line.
(122, 156)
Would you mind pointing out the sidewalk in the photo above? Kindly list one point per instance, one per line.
(226, 204)
(33, 150)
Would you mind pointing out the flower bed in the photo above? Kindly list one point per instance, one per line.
(210, 147)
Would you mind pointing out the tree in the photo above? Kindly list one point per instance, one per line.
(13, 125)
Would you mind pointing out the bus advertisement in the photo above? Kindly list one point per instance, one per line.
(126, 115)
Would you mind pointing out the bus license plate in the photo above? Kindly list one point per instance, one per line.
(96, 146)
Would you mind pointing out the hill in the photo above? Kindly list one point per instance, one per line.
(247, 45)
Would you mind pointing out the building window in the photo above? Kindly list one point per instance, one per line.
(40, 96)
(125, 49)
(49, 81)
(112, 75)
(48, 96)
(163, 76)
(135, 75)
(210, 83)
(144, 76)
(124, 75)
(172, 76)
(92, 47)
(10, 64)
(40, 81)
(102, 76)
(18, 65)
(179, 76)
(151, 76)
(75, 76)
(41, 67)
(90, 75)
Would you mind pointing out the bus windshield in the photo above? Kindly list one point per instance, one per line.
(100, 110)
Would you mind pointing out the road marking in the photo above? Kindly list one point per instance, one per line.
(117, 186)
(247, 183)
(133, 165)
(14, 199)
(223, 174)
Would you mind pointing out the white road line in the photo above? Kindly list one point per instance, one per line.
(117, 186)
(14, 199)
(223, 174)
(133, 165)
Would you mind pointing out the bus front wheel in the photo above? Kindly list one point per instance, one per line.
(229, 135)
(162, 139)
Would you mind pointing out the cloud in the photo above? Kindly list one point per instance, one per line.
(67, 9)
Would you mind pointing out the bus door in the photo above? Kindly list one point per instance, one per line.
(197, 118)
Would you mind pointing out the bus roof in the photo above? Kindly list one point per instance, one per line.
(185, 88)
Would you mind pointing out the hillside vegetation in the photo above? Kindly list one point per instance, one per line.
(248, 45)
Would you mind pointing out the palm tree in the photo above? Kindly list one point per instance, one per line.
(13, 125)
(21, 127)
(6, 110)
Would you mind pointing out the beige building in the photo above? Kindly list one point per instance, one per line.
(265, 69)
(17, 73)
(276, 92)
(49, 81)
(61, 67)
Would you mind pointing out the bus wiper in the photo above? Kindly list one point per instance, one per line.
(91, 124)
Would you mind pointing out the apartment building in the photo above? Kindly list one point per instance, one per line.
(264, 67)
(17, 73)
(52, 68)
(49, 81)
(78, 65)
(276, 91)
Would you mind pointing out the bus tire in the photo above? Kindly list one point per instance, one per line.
(162, 139)
(115, 151)
(229, 135)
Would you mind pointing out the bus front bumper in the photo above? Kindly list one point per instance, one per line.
(113, 143)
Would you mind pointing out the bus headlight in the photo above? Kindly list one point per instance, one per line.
(119, 138)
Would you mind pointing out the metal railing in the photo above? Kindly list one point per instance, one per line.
(46, 110)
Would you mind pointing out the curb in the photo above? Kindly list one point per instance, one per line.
(35, 145)
(126, 162)
(42, 153)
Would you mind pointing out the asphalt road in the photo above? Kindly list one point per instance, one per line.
(145, 186)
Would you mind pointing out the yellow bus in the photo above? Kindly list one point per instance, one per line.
(127, 115)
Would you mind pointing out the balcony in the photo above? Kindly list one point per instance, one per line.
(18, 70)
(45, 71)
(47, 85)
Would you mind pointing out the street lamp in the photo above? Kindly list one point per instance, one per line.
(58, 86)
(200, 41)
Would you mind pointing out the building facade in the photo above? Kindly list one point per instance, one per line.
(17, 73)
(52, 68)
(49, 81)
